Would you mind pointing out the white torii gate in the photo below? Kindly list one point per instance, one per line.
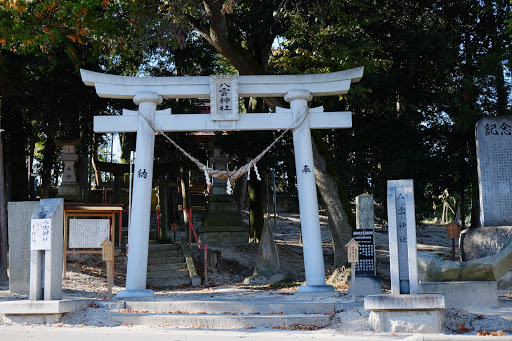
(148, 92)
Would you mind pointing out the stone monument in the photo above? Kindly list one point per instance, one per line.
(69, 188)
(19, 215)
(222, 221)
(367, 283)
(494, 165)
(493, 149)
(267, 269)
(47, 249)
(44, 236)
(365, 213)
(404, 310)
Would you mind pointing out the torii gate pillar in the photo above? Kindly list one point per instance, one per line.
(142, 185)
(308, 201)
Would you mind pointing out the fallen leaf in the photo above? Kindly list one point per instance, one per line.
(461, 328)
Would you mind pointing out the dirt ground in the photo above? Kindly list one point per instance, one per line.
(86, 277)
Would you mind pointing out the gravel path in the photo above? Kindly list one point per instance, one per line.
(86, 278)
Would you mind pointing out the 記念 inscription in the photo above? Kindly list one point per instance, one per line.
(494, 155)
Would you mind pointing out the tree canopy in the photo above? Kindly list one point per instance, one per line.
(432, 69)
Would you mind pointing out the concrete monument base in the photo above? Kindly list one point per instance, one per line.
(459, 294)
(40, 312)
(69, 191)
(223, 234)
(366, 285)
(406, 313)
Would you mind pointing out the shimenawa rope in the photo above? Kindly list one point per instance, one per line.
(227, 174)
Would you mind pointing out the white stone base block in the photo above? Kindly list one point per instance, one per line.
(423, 313)
(464, 294)
(39, 312)
(135, 293)
(407, 321)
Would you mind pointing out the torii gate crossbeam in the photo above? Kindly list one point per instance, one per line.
(148, 92)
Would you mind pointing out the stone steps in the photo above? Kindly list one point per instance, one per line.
(162, 274)
(165, 259)
(165, 253)
(172, 266)
(167, 266)
(225, 314)
(168, 282)
(164, 247)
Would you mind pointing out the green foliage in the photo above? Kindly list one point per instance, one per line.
(431, 71)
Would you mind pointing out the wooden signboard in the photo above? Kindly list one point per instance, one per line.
(452, 230)
(107, 250)
(353, 257)
(353, 251)
(88, 233)
(108, 256)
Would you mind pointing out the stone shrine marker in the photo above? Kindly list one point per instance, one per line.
(402, 237)
(494, 163)
(46, 250)
(404, 311)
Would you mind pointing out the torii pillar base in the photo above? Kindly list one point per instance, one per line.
(135, 293)
(306, 289)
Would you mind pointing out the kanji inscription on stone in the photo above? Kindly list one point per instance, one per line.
(494, 160)
(224, 97)
(366, 264)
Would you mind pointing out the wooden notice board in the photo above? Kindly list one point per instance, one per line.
(89, 228)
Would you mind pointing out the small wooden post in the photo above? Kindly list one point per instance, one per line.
(108, 256)
(453, 232)
(353, 257)
(174, 228)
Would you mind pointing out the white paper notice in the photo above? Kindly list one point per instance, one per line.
(40, 234)
(88, 233)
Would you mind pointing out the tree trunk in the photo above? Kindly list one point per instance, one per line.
(94, 159)
(240, 191)
(164, 207)
(185, 195)
(18, 162)
(256, 207)
(118, 188)
(339, 226)
(46, 174)
(3, 213)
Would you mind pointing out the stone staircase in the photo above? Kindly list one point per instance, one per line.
(226, 314)
(170, 265)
